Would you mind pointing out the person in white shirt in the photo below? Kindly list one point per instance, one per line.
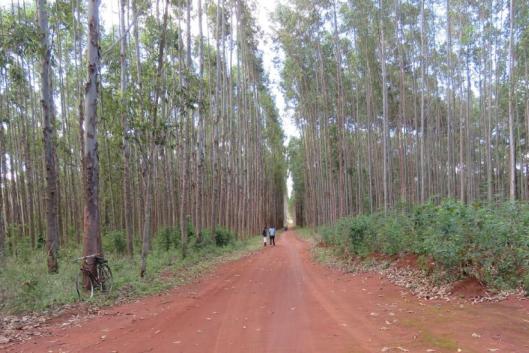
(265, 235)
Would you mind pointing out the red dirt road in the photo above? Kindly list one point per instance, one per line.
(279, 301)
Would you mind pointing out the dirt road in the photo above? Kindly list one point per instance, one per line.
(279, 301)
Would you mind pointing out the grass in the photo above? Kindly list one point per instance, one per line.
(441, 342)
(326, 255)
(308, 234)
(432, 340)
(332, 257)
(25, 285)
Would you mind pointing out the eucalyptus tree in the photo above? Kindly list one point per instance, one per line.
(385, 117)
(512, 143)
(423, 121)
(127, 197)
(92, 228)
(432, 112)
(48, 112)
(152, 139)
(2, 188)
(186, 137)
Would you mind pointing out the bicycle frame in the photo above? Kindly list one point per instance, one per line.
(94, 273)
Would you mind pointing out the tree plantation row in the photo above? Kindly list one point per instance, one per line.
(402, 101)
(134, 128)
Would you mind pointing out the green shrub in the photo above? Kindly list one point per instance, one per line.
(223, 237)
(489, 242)
(192, 238)
(328, 233)
(190, 228)
(115, 242)
(395, 234)
(22, 246)
(167, 238)
(205, 238)
(444, 236)
(358, 232)
(526, 284)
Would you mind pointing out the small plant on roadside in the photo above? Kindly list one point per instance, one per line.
(526, 284)
(115, 242)
(206, 238)
(223, 237)
(167, 239)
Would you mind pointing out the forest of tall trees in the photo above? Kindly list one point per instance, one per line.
(166, 118)
(401, 102)
(134, 127)
(154, 153)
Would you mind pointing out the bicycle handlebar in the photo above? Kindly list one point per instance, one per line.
(86, 257)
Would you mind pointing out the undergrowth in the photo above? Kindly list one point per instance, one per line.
(25, 285)
(451, 240)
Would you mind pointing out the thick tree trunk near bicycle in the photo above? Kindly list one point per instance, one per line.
(48, 113)
(91, 235)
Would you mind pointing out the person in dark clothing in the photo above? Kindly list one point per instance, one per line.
(265, 235)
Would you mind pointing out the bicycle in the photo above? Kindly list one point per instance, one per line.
(102, 279)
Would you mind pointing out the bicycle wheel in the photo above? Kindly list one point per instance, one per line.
(82, 292)
(105, 278)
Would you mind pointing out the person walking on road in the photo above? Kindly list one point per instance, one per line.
(272, 234)
(265, 235)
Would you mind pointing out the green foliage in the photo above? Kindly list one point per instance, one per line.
(206, 238)
(490, 243)
(295, 160)
(26, 286)
(17, 244)
(526, 283)
(167, 239)
(223, 237)
(115, 242)
(394, 234)
(190, 229)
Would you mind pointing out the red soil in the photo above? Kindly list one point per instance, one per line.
(469, 288)
(279, 301)
(408, 260)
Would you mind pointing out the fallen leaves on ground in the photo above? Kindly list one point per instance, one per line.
(18, 328)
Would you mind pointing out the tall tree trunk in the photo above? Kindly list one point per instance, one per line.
(449, 146)
(201, 128)
(423, 88)
(385, 129)
(512, 146)
(488, 113)
(49, 143)
(402, 104)
(92, 232)
(149, 162)
(127, 200)
(2, 191)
